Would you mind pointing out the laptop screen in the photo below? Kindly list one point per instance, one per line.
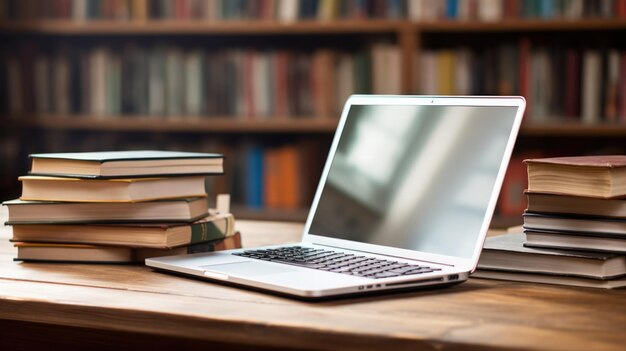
(414, 177)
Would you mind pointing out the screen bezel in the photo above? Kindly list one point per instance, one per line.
(463, 263)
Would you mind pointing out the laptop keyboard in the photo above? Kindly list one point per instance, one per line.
(338, 262)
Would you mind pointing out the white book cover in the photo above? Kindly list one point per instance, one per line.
(288, 10)
(98, 79)
(79, 10)
(490, 10)
(591, 77)
(415, 10)
(260, 84)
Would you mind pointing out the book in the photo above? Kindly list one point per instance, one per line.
(121, 164)
(575, 224)
(507, 253)
(166, 211)
(155, 235)
(511, 200)
(80, 253)
(575, 205)
(575, 241)
(591, 81)
(550, 279)
(39, 188)
(594, 176)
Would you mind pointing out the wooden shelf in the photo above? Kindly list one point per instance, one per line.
(182, 124)
(269, 125)
(254, 27)
(155, 27)
(523, 25)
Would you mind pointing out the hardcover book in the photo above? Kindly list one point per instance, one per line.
(550, 279)
(153, 235)
(593, 176)
(576, 205)
(39, 188)
(508, 253)
(126, 164)
(575, 241)
(81, 253)
(165, 211)
(570, 224)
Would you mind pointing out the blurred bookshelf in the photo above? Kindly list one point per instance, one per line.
(265, 80)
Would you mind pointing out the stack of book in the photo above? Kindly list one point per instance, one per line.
(574, 230)
(118, 207)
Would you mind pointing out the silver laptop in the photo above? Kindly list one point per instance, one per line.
(404, 201)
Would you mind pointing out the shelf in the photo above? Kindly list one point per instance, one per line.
(181, 124)
(269, 125)
(259, 27)
(523, 25)
(156, 27)
(572, 129)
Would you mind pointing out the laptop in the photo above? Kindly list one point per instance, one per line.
(404, 202)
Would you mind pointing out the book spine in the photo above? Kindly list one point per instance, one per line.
(213, 229)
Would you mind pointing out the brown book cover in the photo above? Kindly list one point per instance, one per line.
(594, 176)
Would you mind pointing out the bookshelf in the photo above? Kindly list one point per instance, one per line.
(409, 37)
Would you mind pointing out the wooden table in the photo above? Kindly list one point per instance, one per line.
(93, 307)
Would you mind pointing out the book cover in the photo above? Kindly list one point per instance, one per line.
(511, 201)
(591, 82)
(254, 177)
(576, 224)
(160, 211)
(507, 253)
(40, 188)
(148, 235)
(85, 253)
(549, 279)
(581, 241)
(120, 164)
(575, 205)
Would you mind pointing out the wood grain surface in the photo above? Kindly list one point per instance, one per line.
(116, 305)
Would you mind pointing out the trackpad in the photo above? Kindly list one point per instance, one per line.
(248, 268)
